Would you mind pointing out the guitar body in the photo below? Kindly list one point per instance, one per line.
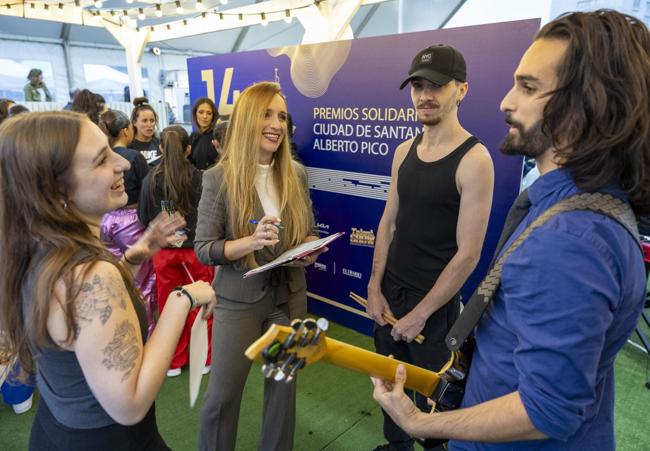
(285, 350)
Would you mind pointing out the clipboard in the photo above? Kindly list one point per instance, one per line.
(298, 252)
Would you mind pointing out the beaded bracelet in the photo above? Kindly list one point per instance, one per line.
(180, 291)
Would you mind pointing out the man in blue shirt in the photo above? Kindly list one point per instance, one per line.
(542, 376)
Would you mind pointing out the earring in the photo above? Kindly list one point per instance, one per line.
(65, 205)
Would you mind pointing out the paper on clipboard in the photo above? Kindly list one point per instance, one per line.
(198, 354)
(296, 253)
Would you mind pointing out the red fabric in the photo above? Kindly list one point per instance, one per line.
(168, 265)
(646, 252)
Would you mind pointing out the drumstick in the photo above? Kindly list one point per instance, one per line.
(390, 319)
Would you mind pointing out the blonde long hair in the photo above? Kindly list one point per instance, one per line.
(239, 163)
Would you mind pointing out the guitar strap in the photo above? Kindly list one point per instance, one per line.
(601, 203)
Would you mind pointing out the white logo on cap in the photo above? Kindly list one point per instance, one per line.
(426, 58)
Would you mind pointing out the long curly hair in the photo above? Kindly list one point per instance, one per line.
(599, 116)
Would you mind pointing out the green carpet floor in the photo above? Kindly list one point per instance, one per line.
(336, 411)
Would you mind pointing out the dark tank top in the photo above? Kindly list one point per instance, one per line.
(425, 236)
(64, 389)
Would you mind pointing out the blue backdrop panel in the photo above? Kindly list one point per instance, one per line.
(350, 116)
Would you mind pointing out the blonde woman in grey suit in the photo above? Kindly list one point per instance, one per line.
(255, 179)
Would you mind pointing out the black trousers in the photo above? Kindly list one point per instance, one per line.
(432, 354)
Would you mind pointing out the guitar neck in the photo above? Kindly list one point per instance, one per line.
(367, 362)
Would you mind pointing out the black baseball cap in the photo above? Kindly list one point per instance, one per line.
(439, 64)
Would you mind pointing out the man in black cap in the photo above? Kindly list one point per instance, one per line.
(430, 236)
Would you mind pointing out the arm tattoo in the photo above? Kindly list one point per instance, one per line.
(122, 352)
(95, 299)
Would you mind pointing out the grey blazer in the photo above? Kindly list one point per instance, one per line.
(213, 230)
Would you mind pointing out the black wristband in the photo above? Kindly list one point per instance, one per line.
(132, 263)
(180, 290)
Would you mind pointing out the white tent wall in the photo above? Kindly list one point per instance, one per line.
(52, 53)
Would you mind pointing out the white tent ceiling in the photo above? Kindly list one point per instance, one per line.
(370, 20)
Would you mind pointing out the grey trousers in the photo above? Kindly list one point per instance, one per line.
(235, 327)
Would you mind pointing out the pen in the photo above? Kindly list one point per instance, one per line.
(277, 224)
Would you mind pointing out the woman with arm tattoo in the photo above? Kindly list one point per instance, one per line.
(68, 304)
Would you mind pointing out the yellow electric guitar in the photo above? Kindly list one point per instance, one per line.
(285, 350)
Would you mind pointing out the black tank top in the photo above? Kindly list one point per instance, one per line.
(425, 237)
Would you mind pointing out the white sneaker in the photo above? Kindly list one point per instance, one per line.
(174, 372)
(23, 406)
(206, 369)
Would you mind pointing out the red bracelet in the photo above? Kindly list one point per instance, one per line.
(180, 291)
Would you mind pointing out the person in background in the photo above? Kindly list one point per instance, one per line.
(18, 109)
(204, 118)
(36, 90)
(73, 92)
(256, 179)
(5, 106)
(542, 373)
(16, 391)
(67, 302)
(121, 228)
(145, 121)
(177, 183)
(219, 137)
(89, 103)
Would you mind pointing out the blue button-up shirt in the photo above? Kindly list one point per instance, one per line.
(570, 297)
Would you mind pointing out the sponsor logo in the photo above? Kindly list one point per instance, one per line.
(350, 273)
(360, 237)
(320, 266)
(322, 227)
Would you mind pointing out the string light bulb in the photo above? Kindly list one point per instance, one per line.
(179, 7)
(158, 12)
(185, 22)
(129, 1)
(199, 5)
(77, 6)
(224, 2)
(46, 9)
(141, 15)
(287, 16)
(125, 13)
(9, 9)
(98, 4)
(264, 22)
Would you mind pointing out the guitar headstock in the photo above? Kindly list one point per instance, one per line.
(285, 350)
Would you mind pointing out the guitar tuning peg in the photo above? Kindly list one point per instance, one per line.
(296, 325)
(310, 326)
(272, 352)
(279, 375)
(283, 371)
(298, 366)
(268, 370)
(322, 325)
